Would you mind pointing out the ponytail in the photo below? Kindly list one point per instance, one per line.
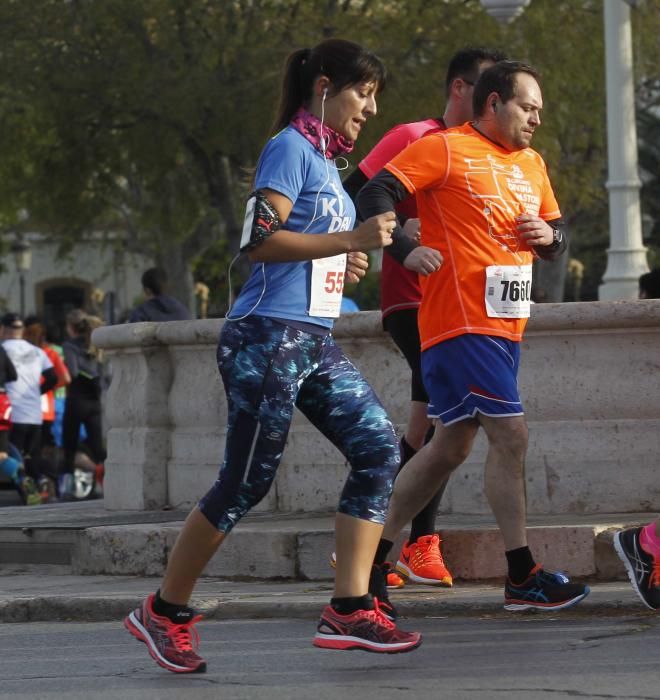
(294, 90)
(344, 63)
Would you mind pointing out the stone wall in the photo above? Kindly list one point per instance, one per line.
(589, 381)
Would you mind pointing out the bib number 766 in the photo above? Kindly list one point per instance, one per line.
(516, 290)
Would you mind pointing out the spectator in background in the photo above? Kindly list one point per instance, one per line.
(158, 305)
(11, 464)
(35, 376)
(35, 333)
(649, 285)
(83, 399)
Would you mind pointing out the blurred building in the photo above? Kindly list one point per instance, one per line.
(95, 276)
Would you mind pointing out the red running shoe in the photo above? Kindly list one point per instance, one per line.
(368, 630)
(421, 562)
(172, 646)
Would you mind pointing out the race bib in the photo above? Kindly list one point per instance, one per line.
(327, 286)
(508, 291)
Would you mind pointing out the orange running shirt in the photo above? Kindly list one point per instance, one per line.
(469, 191)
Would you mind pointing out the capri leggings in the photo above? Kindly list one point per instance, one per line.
(268, 367)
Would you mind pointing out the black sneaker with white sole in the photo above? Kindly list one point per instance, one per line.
(643, 568)
(543, 590)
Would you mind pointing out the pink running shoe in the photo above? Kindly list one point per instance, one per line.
(368, 630)
(172, 646)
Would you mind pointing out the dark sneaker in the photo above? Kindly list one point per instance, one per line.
(543, 590)
(172, 646)
(27, 489)
(367, 630)
(643, 568)
(46, 488)
(378, 589)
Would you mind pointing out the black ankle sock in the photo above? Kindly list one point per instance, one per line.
(346, 606)
(384, 548)
(175, 613)
(521, 562)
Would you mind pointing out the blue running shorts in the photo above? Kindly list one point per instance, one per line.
(472, 374)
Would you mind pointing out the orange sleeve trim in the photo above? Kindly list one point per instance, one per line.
(403, 179)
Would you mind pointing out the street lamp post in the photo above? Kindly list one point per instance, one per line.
(22, 252)
(626, 256)
(504, 11)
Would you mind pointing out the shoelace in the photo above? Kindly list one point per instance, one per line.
(381, 617)
(185, 637)
(429, 553)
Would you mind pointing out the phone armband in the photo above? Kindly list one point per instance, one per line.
(261, 221)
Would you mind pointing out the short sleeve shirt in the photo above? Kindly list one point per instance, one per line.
(25, 393)
(292, 166)
(399, 287)
(469, 191)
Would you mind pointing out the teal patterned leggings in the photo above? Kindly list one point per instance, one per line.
(268, 368)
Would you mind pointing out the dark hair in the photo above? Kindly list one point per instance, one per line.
(155, 280)
(35, 331)
(465, 63)
(649, 282)
(344, 63)
(500, 78)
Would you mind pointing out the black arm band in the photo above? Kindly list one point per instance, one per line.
(380, 195)
(555, 249)
(261, 221)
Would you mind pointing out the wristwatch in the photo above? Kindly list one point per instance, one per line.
(557, 237)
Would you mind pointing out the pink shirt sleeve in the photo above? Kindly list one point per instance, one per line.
(394, 141)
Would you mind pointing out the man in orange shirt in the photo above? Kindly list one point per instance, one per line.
(486, 208)
(420, 560)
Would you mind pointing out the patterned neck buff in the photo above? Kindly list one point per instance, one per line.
(310, 127)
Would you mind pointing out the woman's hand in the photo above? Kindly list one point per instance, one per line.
(357, 264)
(373, 233)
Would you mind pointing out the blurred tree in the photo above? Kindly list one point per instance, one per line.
(146, 118)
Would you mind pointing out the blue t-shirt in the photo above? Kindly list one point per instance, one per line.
(292, 166)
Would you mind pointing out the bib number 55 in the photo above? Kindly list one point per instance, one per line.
(334, 282)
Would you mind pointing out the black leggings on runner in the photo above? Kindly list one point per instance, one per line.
(80, 410)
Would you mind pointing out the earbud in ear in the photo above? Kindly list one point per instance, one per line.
(494, 106)
(325, 92)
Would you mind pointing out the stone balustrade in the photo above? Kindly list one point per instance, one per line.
(589, 379)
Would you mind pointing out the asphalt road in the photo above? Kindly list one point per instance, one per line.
(533, 657)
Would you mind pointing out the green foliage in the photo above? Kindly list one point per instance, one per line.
(147, 117)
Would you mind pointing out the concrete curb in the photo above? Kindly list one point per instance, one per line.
(468, 601)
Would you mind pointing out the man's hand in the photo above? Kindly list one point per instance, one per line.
(412, 230)
(533, 230)
(357, 264)
(423, 260)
